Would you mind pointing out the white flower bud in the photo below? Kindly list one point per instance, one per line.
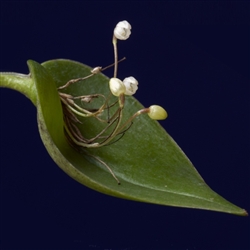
(116, 86)
(96, 70)
(122, 30)
(87, 99)
(157, 112)
(131, 85)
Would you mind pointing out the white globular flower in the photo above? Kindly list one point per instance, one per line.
(157, 112)
(131, 85)
(122, 30)
(116, 86)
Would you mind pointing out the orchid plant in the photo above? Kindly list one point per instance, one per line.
(119, 89)
(82, 119)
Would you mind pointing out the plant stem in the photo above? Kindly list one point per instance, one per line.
(19, 82)
(115, 56)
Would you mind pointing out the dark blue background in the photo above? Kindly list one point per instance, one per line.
(190, 57)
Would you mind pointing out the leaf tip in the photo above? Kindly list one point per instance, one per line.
(244, 213)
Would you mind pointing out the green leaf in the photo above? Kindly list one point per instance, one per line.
(149, 164)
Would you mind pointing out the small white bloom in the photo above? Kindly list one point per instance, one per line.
(122, 30)
(131, 85)
(116, 86)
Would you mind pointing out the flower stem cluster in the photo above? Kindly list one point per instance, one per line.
(110, 112)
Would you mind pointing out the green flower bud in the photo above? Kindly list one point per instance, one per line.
(157, 112)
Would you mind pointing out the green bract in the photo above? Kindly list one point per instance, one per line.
(149, 164)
